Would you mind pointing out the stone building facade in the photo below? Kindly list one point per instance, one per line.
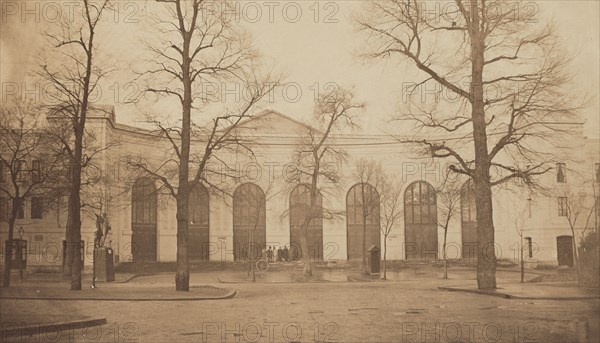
(143, 223)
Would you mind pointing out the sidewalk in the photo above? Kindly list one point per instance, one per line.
(116, 293)
(353, 275)
(213, 285)
(20, 319)
(43, 278)
(43, 304)
(533, 291)
(126, 287)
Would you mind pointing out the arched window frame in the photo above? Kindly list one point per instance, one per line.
(354, 204)
(143, 202)
(420, 203)
(467, 203)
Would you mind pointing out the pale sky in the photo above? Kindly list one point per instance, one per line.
(311, 54)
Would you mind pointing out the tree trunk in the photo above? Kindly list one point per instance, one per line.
(251, 260)
(385, 257)
(576, 256)
(522, 262)
(75, 230)
(251, 270)
(68, 253)
(313, 210)
(486, 262)
(444, 254)
(182, 277)
(77, 164)
(307, 269)
(364, 244)
(486, 259)
(364, 221)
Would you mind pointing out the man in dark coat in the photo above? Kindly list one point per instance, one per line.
(286, 253)
(279, 254)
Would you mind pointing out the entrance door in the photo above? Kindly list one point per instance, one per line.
(143, 221)
(564, 247)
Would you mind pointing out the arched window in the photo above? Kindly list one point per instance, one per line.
(143, 221)
(420, 205)
(420, 221)
(362, 218)
(299, 212)
(199, 233)
(249, 222)
(143, 202)
(467, 203)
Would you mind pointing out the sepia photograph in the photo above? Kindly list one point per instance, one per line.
(410, 171)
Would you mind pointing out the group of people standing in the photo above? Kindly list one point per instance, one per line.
(279, 255)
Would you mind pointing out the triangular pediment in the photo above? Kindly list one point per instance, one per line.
(273, 122)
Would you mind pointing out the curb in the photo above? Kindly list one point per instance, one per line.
(33, 329)
(300, 282)
(309, 281)
(476, 291)
(510, 296)
(351, 279)
(229, 295)
(134, 276)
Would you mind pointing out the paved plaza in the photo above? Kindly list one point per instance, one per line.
(283, 306)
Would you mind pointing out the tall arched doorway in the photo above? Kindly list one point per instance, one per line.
(420, 222)
(143, 221)
(362, 218)
(468, 221)
(299, 207)
(249, 222)
(198, 232)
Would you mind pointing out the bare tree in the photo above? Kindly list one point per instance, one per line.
(519, 215)
(575, 205)
(28, 169)
(392, 210)
(589, 245)
(260, 199)
(370, 177)
(316, 158)
(72, 74)
(94, 185)
(504, 85)
(252, 241)
(198, 45)
(448, 202)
